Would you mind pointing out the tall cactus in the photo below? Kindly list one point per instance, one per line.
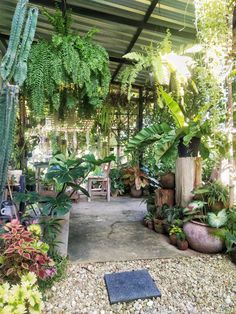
(13, 71)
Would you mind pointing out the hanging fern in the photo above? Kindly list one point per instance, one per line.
(164, 67)
(68, 72)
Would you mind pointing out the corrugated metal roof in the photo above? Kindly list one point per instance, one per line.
(120, 23)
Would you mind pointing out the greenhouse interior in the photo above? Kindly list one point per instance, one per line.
(117, 156)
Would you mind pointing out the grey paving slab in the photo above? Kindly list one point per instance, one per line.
(103, 231)
(130, 285)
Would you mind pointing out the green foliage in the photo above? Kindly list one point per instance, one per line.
(68, 72)
(23, 252)
(21, 298)
(60, 265)
(217, 220)
(213, 192)
(51, 227)
(160, 63)
(212, 23)
(174, 216)
(117, 183)
(134, 176)
(175, 230)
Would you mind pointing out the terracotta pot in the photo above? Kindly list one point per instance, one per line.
(200, 238)
(134, 192)
(173, 239)
(115, 193)
(166, 227)
(149, 224)
(182, 245)
(167, 181)
(159, 228)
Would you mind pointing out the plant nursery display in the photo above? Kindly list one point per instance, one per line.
(132, 111)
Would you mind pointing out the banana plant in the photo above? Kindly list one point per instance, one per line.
(166, 137)
(13, 71)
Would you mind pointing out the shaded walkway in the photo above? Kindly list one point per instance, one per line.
(112, 231)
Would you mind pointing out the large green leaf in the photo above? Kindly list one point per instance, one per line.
(174, 107)
(166, 144)
(58, 206)
(217, 220)
(147, 136)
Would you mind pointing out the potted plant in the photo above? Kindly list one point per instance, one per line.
(158, 220)
(173, 216)
(117, 184)
(182, 243)
(75, 68)
(174, 231)
(136, 179)
(214, 193)
(201, 225)
(148, 220)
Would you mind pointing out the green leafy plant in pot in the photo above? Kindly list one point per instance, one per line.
(215, 194)
(201, 226)
(117, 184)
(136, 179)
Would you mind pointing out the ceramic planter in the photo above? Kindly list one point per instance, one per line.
(134, 192)
(200, 238)
(182, 245)
(173, 239)
(158, 228)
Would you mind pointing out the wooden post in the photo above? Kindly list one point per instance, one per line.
(188, 175)
(140, 121)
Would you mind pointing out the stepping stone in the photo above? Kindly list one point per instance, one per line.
(130, 285)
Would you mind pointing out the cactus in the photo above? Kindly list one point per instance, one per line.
(13, 71)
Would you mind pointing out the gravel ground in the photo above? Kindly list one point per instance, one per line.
(205, 284)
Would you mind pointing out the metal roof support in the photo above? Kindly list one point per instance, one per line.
(76, 9)
(138, 32)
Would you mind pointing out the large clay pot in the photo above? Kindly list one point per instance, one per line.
(167, 181)
(200, 238)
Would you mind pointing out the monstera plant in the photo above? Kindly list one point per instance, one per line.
(13, 71)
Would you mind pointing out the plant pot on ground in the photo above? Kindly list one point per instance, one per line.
(173, 239)
(201, 238)
(167, 180)
(182, 243)
(136, 179)
(134, 192)
(158, 225)
(173, 234)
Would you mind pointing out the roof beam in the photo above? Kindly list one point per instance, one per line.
(137, 34)
(112, 57)
(76, 9)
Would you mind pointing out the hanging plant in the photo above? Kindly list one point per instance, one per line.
(67, 72)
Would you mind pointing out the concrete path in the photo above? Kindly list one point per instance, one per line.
(103, 231)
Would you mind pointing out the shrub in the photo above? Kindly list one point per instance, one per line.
(24, 252)
(21, 298)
